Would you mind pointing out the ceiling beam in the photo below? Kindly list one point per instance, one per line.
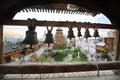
(61, 24)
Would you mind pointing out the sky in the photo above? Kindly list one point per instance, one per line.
(19, 31)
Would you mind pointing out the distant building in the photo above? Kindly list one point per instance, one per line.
(7, 41)
(12, 52)
(59, 38)
(111, 33)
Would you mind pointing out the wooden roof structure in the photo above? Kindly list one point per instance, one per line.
(9, 8)
(67, 9)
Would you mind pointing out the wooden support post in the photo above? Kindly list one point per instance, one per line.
(1, 44)
(1, 47)
(118, 51)
(118, 46)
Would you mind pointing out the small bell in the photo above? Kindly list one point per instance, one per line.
(70, 34)
(79, 32)
(87, 33)
(96, 34)
(49, 37)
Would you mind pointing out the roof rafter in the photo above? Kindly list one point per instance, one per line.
(61, 8)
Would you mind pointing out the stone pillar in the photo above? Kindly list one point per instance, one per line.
(1, 47)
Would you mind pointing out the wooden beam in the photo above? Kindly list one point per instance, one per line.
(118, 46)
(61, 24)
(12, 52)
(1, 48)
(1, 44)
(117, 50)
(36, 68)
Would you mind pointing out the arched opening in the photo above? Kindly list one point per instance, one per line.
(62, 14)
(58, 67)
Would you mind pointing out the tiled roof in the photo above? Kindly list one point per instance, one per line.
(7, 49)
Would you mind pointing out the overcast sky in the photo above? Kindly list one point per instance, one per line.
(20, 31)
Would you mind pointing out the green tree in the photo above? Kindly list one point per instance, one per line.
(42, 58)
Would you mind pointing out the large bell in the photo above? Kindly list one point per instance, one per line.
(87, 33)
(96, 34)
(31, 38)
(70, 34)
(79, 32)
(49, 38)
(31, 35)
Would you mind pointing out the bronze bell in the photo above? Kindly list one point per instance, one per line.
(31, 35)
(31, 38)
(70, 34)
(87, 33)
(49, 37)
(79, 32)
(96, 34)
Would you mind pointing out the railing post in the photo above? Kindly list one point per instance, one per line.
(1, 47)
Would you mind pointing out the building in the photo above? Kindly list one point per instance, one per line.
(108, 7)
(59, 38)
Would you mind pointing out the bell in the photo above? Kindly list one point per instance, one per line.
(49, 38)
(96, 34)
(31, 35)
(70, 34)
(79, 33)
(31, 38)
(87, 33)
